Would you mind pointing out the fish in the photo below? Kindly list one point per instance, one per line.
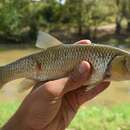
(57, 60)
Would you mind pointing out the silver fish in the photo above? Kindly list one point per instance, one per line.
(59, 60)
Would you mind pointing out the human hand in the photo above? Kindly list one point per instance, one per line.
(52, 105)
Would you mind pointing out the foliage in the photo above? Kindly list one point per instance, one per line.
(22, 19)
(11, 16)
(123, 11)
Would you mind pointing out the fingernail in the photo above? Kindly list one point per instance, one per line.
(82, 68)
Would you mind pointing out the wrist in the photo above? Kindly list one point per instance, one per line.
(16, 123)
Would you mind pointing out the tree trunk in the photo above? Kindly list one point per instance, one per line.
(80, 30)
(118, 25)
(128, 26)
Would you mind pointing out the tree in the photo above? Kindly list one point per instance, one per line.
(118, 17)
(77, 12)
(11, 15)
(123, 11)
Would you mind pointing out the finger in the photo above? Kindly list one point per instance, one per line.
(78, 77)
(86, 41)
(83, 96)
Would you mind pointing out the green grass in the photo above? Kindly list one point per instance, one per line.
(6, 110)
(88, 118)
(102, 118)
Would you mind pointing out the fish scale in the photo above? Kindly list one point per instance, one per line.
(68, 57)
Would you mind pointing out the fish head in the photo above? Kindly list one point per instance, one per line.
(120, 68)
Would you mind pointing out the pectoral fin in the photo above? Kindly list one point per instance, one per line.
(26, 84)
(45, 40)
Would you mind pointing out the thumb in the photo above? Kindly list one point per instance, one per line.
(78, 77)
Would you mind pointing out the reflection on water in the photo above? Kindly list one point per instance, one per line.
(118, 92)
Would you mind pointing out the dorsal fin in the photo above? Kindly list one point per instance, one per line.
(45, 40)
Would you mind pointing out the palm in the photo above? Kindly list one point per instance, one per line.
(65, 108)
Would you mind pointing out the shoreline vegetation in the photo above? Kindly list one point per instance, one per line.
(97, 20)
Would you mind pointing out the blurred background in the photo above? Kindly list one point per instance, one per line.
(101, 21)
